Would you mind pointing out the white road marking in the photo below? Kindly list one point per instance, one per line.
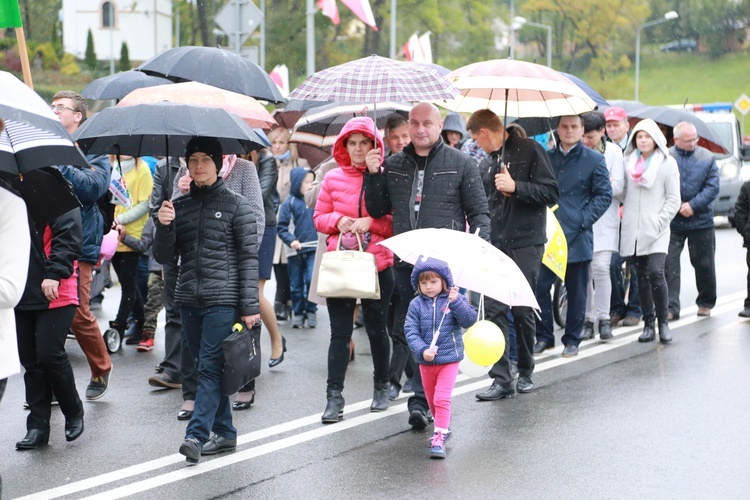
(625, 336)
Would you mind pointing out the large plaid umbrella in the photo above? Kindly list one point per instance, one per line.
(376, 79)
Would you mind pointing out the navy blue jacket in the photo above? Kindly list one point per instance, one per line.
(90, 184)
(425, 313)
(699, 186)
(585, 194)
(295, 209)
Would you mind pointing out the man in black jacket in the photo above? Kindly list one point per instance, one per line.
(427, 185)
(520, 184)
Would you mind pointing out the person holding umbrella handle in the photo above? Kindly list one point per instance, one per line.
(214, 232)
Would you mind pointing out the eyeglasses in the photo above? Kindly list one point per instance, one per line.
(57, 108)
(686, 141)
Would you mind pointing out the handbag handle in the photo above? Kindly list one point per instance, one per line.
(359, 241)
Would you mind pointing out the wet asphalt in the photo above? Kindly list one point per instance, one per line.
(622, 420)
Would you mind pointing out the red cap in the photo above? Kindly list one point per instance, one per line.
(615, 114)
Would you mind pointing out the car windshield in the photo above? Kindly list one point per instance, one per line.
(724, 131)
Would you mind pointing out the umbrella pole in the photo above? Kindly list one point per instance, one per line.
(505, 131)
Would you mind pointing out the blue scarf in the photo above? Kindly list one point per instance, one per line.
(284, 157)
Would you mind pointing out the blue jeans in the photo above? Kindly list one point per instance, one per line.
(576, 281)
(204, 330)
(300, 269)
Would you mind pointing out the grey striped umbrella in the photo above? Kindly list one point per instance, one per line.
(33, 136)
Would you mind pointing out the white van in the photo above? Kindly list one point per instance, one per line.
(720, 118)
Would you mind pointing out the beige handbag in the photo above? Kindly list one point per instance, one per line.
(349, 274)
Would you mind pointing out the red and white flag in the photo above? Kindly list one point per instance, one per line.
(360, 8)
(280, 76)
(418, 49)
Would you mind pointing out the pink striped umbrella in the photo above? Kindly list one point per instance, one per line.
(516, 88)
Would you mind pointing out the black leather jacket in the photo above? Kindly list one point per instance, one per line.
(215, 235)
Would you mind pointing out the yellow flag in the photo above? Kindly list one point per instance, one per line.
(556, 250)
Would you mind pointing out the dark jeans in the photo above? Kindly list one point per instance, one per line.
(576, 283)
(747, 262)
(126, 266)
(528, 260)
(300, 269)
(141, 285)
(41, 346)
(617, 304)
(341, 312)
(653, 286)
(702, 250)
(404, 293)
(205, 329)
(173, 326)
(283, 294)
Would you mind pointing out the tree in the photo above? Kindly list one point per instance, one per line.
(90, 59)
(718, 25)
(124, 58)
(590, 31)
(55, 40)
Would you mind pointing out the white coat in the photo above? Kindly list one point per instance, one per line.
(14, 267)
(647, 212)
(607, 228)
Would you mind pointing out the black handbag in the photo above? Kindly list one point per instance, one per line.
(241, 358)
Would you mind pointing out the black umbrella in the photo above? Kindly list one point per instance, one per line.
(121, 84)
(214, 66)
(593, 94)
(33, 136)
(163, 129)
(46, 192)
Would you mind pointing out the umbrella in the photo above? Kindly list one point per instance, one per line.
(293, 111)
(321, 126)
(46, 192)
(200, 94)
(214, 66)
(593, 94)
(33, 136)
(120, 84)
(475, 263)
(516, 88)
(669, 117)
(375, 79)
(161, 128)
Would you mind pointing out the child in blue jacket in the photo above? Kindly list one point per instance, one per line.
(302, 237)
(437, 309)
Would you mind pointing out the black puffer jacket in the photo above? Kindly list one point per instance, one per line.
(214, 233)
(268, 174)
(452, 192)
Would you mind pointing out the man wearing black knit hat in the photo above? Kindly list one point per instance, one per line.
(217, 286)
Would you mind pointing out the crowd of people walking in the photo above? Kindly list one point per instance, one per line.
(207, 230)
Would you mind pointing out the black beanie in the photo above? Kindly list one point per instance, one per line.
(206, 145)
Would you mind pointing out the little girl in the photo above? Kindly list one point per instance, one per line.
(433, 330)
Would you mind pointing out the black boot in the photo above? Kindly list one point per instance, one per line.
(380, 395)
(588, 331)
(335, 408)
(649, 333)
(665, 336)
(605, 329)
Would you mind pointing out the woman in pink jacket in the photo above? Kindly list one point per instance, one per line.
(341, 209)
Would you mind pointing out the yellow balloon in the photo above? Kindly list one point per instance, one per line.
(484, 343)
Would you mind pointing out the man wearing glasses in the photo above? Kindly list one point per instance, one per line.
(699, 188)
(89, 185)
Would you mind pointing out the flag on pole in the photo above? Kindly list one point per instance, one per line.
(424, 44)
(280, 76)
(10, 14)
(418, 48)
(555, 255)
(360, 8)
(330, 10)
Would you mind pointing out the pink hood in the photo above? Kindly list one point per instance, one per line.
(359, 125)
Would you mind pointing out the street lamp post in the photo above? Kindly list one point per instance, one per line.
(669, 16)
(521, 21)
